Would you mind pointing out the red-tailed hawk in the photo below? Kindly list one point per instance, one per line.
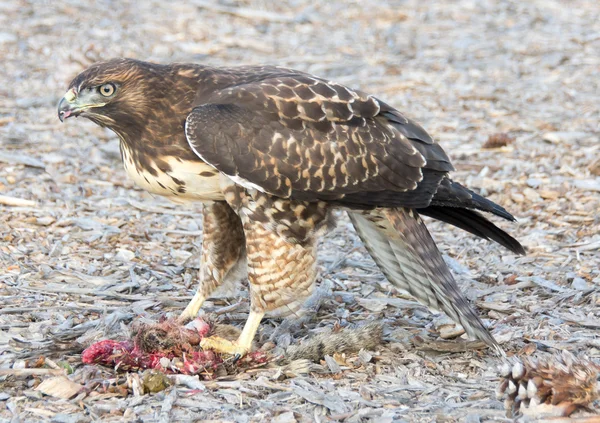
(271, 151)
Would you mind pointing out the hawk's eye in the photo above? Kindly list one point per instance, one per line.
(107, 89)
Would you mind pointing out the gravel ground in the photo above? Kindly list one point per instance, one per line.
(83, 252)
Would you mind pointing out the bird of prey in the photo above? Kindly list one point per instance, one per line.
(271, 151)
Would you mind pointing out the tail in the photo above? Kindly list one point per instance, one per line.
(456, 205)
(402, 247)
(475, 223)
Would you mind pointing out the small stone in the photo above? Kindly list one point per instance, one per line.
(549, 195)
(165, 363)
(451, 331)
(45, 221)
(19, 364)
(560, 137)
(180, 255)
(286, 417)
(155, 382)
(531, 195)
(534, 183)
(580, 284)
(124, 255)
(517, 198)
(7, 37)
(587, 184)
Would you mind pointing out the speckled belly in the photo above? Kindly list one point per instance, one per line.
(186, 181)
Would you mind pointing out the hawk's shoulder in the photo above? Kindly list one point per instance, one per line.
(292, 134)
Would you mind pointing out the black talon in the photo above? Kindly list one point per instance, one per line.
(236, 358)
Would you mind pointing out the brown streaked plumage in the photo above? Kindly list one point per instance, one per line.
(223, 256)
(272, 151)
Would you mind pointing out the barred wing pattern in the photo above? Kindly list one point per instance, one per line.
(297, 136)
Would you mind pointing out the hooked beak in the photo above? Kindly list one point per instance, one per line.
(68, 106)
(74, 104)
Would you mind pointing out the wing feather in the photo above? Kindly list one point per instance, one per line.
(298, 136)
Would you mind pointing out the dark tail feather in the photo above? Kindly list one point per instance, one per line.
(484, 204)
(453, 194)
(475, 223)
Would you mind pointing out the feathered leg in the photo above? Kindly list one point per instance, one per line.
(281, 258)
(402, 247)
(223, 251)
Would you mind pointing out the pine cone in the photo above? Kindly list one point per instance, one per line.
(554, 386)
(498, 140)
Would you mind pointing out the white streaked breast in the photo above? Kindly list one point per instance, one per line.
(200, 181)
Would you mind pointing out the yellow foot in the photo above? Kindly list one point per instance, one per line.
(240, 347)
(224, 346)
(192, 309)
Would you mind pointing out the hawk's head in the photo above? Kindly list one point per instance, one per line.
(117, 93)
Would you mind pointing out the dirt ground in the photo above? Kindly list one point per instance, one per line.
(84, 253)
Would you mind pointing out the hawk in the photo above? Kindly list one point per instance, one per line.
(271, 151)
